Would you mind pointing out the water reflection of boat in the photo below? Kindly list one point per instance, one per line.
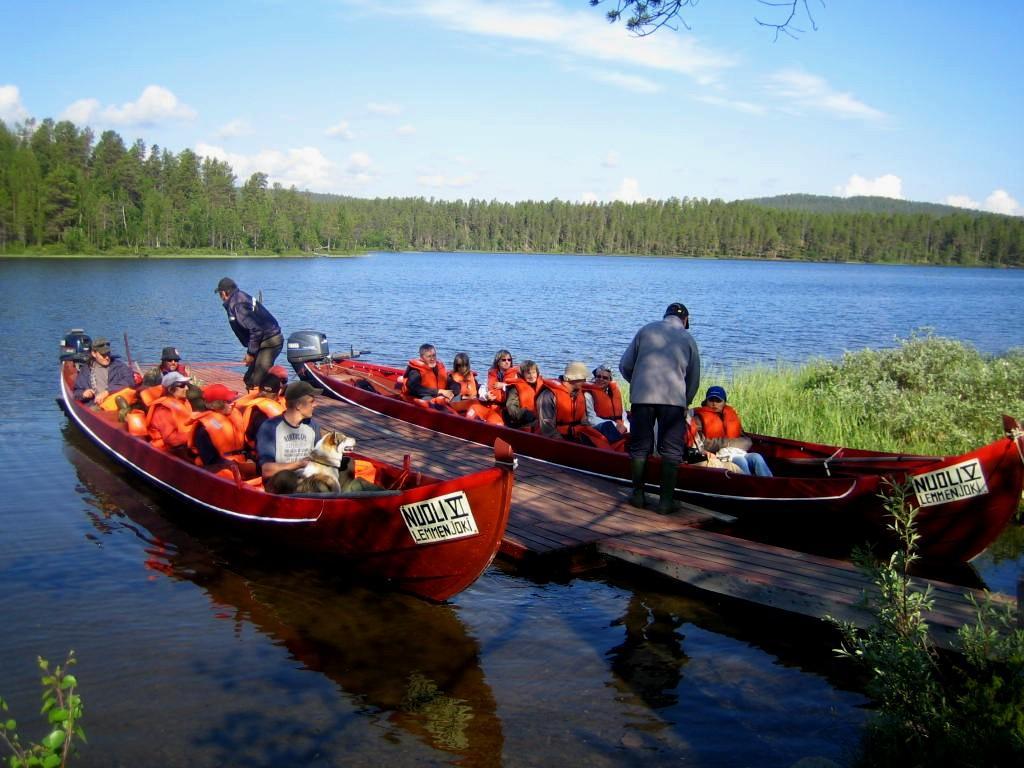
(413, 660)
(427, 536)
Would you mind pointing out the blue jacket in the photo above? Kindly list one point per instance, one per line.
(250, 320)
(119, 376)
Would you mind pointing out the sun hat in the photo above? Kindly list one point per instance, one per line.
(213, 392)
(716, 392)
(170, 353)
(172, 378)
(575, 371)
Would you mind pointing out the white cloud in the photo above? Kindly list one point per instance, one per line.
(628, 191)
(383, 110)
(962, 201)
(155, 105)
(611, 160)
(627, 82)
(340, 130)
(405, 130)
(11, 108)
(739, 106)
(810, 91)
(303, 167)
(888, 185)
(359, 162)
(579, 33)
(234, 129)
(1001, 202)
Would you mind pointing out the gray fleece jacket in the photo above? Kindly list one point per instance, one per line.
(662, 364)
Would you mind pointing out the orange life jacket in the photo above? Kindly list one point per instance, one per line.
(180, 409)
(268, 406)
(431, 378)
(136, 423)
(528, 392)
(150, 395)
(110, 401)
(607, 400)
(725, 425)
(468, 384)
(225, 431)
(495, 394)
(570, 409)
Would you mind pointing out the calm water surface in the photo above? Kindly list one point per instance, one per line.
(197, 652)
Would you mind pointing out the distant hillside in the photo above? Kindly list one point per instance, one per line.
(860, 204)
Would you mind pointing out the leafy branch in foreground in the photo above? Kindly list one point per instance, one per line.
(63, 710)
(967, 711)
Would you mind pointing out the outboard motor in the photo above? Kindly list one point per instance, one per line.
(75, 346)
(307, 347)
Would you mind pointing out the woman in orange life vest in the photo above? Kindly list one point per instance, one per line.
(426, 379)
(467, 403)
(721, 433)
(500, 375)
(169, 419)
(217, 434)
(604, 404)
(562, 410)
(521, 396)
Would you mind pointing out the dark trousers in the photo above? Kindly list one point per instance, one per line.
(268, 352)
(671, 426)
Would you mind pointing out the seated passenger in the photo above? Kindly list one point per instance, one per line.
(562, 410)
(169, 419)
(259, 405)
(285, 442)
(217, 434)
(604, 404)
(426, 379)
(104, 378)
(721, 433)
(467, 402)
(500, 375)
(170, 360)
(520, 409)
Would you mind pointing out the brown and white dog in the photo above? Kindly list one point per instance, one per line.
(323, 472)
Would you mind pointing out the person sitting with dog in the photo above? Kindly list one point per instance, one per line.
(104, 378)
(604, 403)
(720, 432)
(285, 442)
(217, 435)
(427, 379)
(520, 410)
(169, 419)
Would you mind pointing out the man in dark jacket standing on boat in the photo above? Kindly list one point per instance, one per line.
(255, 327)
(662, 366)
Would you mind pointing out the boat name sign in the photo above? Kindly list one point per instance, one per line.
(952, 483)
(441, 518)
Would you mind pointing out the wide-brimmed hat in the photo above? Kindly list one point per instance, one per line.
(213, 392)
(172, 378)
(575, 371)
(170, 353)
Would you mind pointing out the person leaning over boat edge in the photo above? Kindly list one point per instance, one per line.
(257, 330)
(285, 442)
(662, 366)
(105, 377)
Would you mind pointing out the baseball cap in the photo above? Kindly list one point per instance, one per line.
(678, 309)
(225, 284)
(213, 392)
(170, 353)
(101, 345)
(714, 393)
(172, 378)
(298, 389)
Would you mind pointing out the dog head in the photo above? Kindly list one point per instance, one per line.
(331, 447)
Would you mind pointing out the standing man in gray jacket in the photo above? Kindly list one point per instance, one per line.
(662, 366)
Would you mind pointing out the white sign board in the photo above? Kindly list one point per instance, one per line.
(959, 481)
(441, 518)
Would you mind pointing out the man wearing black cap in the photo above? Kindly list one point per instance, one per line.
(662, 366)
(255, 327)
(285, 441)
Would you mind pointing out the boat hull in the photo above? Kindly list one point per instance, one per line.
(837, 500)
(403, 538)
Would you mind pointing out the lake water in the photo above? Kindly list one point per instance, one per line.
(195, 653)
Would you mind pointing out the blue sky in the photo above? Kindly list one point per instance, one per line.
(540, 100)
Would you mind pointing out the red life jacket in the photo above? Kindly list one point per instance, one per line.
(150, 395)
(268, 406)
(498, 395)
(528, 392)
(225, 431)
(468, 384)
(607, 400)
(727, 424)
(431, 378)
(180, 409)
(570, 409)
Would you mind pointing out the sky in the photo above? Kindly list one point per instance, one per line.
(537, 100)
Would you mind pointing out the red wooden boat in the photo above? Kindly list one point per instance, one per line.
(826, 492)
(426, 536)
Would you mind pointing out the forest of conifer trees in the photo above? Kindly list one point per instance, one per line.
(62, 191)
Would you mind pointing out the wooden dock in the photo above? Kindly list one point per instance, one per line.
(567, 521)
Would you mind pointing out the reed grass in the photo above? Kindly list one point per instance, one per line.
(929, 395)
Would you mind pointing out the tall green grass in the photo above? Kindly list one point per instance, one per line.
(928, 395)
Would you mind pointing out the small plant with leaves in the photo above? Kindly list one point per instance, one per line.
(63, 709)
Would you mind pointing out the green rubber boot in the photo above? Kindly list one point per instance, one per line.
(122, 408)
(666, 504)
(639, 471)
